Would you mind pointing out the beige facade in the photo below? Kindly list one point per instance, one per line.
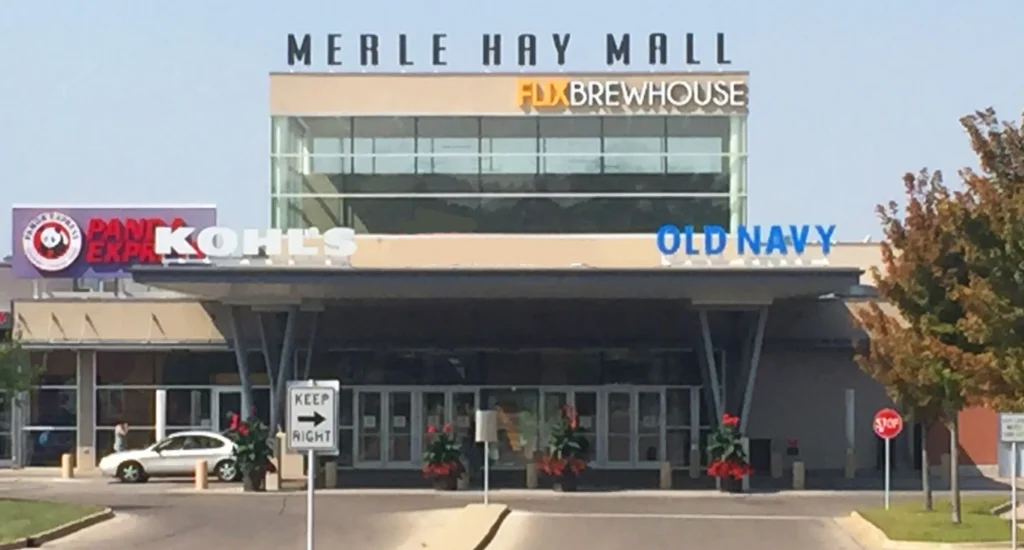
(477, 94)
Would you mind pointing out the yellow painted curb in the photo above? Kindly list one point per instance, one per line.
(868, 535)
(60, 531)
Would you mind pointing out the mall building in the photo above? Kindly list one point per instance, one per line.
(506, 259)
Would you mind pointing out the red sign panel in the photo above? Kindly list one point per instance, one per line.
(888, 423)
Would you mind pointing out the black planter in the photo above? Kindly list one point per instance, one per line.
(730, 485)
(254, 480)
(446, 483)
(565, 483)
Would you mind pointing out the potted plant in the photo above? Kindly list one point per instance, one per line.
(253, 451)
(442, 461)
(728, 461)
(566, 452)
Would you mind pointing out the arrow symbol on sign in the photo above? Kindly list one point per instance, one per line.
(316, 419)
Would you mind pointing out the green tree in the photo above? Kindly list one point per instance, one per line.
(17, 372)
(924, 360)
(990, 213)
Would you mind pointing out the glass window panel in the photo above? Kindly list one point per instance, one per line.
(570, 145)
(634, 144)
(677, 405)
(53, 407)
(60, 368)
(696, 156)
(518, 425)
(136, 407)
(678, 446)
(45, 447)
(128, 368)
(138, 438)
(508, 146)
(698, 127)
(530, 215)
(384, 145)
(189, 407)
(448, 145)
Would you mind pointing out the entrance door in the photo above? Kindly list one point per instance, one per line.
(226, 402)
(388, 428)
(633, 427)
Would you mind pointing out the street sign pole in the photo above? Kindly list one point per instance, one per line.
(312, 428)
(888, 470)
(1013, 495)
(310, 487)
(887, 425)
(487, 471)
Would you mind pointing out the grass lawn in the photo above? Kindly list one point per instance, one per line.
(23, 518)
(909, 521)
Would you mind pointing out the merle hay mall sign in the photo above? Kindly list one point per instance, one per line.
(403, 51)
(84, 242)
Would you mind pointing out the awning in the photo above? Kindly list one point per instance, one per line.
(253, 285)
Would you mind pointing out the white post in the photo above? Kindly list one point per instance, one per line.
(487, 472)
(888, 445)
(161, 414)
(310, 482)
(1013, 495)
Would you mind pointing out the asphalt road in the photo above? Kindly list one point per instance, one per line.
(159, 520)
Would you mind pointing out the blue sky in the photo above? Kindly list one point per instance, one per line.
(120, 101)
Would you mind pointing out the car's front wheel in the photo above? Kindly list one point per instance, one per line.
(131, 472)
(226, 470)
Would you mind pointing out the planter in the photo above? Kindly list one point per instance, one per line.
(254, 480)
(730, 485)
(565, 483)
(446, 483)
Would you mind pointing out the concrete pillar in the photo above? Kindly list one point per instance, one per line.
(799, 476)
(746, 450)
(85, 453)
(289, 464)
(531, 475)
(694, 462)
(665, 477)
(201, 475)
(160, 406)
(331, 474)
(737, 171)
(776, 465)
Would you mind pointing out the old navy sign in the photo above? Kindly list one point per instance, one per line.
(750, 240)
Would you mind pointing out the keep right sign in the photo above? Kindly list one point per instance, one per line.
(888, 423)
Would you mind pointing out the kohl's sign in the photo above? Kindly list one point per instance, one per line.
(224, 242)
(752, 240)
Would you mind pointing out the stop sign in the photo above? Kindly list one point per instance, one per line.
(888, 423)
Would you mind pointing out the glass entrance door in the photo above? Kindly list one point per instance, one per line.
(632, 434)
(226, 402)
(388, 428)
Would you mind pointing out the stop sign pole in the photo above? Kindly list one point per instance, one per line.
(887, 425)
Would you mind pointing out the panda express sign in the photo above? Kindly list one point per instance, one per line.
(94, 242)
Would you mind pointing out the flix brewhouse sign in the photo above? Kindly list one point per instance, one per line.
(750, 240)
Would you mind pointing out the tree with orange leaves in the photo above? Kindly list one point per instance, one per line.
(924, 360)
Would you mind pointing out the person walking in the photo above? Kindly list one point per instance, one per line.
(120, 437)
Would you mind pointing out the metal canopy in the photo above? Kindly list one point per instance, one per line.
(710, 286)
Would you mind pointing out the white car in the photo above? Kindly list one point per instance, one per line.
(174, 456)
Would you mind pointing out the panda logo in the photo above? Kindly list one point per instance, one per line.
(52, 241)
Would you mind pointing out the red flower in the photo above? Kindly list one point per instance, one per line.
(447, 428)
(252, 410)
(243, 429)
(730, 420)
(730, 468)
(431, 430)
(792, 443)
(233, 423)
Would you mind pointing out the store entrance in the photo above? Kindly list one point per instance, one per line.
(628, 427)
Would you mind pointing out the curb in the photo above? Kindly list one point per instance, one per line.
(472, 528)
(60, 531)
(868, 535)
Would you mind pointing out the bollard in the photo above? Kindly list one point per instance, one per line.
(694, 462)
(531, 475)
(746, 451)
(799, 476)
(776, 465)
(665, 480)
(202, 475)
(331, 474)
(944, 469)
(851, 464)
(67, 466)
